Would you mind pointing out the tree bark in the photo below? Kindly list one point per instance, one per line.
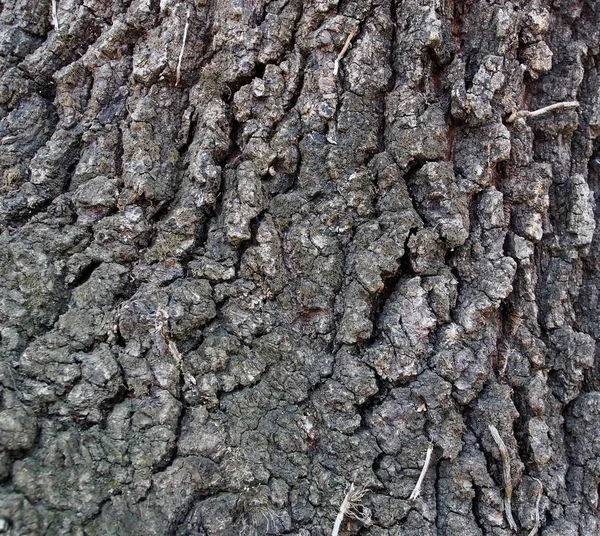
(254, 252)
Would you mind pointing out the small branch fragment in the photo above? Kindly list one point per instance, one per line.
(55, 16)
(348, 507)
(536, 526)
(185, 32)
(507, 479)
(522, 114)
(417, 491)
(342, 53)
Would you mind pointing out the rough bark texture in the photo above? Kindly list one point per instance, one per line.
(225, 300)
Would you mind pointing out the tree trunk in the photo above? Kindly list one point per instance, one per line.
(255, 252)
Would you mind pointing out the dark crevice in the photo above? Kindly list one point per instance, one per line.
(119, 151)
(390, 282)
(520, 429)
(158, 212)
(406, 268)
(235, 155)
(85, 274)
(70, 171)
(258, 71)
(394, 46)
(242, 248)
(190, 135)
(475, 507)
(118, 337)
(439, 505)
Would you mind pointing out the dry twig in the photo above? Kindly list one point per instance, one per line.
(351, 36)
(185, 32)
(522, 114)
(536, 526)
(507, 478)
(417, 491)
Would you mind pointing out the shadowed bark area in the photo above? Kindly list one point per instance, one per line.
(244, 266)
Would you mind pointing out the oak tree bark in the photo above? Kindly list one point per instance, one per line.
(253, 252)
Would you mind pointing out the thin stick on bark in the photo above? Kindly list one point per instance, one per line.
(417, 491)
(507, 478)
(185, 32)
(536, 526)
(351, 36)
(546, 109)
(55, 16)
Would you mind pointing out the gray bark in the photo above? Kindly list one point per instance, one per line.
(234, 287)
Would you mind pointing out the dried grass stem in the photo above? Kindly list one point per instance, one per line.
(507, 478)
(536, 525)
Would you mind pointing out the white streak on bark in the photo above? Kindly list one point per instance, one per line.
(55, 16)
(185, 32)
